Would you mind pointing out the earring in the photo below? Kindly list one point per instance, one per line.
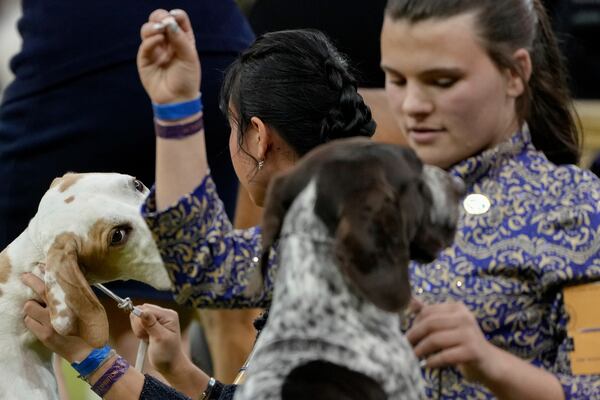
(260, 164)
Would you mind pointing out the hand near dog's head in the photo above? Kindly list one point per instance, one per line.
(72, 346)
(378, 203)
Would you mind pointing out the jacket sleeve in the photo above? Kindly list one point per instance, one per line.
(210, 263)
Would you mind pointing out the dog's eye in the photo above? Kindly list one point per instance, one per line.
(139, 186)
(119, 235)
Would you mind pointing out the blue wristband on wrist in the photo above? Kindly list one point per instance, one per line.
(92, 361)
(175, 111)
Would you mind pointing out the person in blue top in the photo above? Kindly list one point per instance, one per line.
(478, 88)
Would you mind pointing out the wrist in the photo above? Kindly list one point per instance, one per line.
(495, 367)
(78, 353)
(177, 369)
(178, 110)
(92, 362)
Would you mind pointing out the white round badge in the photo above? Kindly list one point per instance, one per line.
(476, 204)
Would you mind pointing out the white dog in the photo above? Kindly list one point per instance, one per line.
(88, 229)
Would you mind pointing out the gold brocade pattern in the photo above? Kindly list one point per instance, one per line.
(509, 264)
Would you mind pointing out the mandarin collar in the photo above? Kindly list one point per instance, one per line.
(471, 169)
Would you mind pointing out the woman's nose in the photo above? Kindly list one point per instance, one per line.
(416, 101)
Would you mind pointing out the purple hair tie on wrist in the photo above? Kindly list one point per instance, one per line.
(112, 375)
(179, 131)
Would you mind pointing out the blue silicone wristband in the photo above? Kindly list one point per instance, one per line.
(92, 361)
(175, 111)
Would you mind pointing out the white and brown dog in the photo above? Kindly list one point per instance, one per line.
(88, 229)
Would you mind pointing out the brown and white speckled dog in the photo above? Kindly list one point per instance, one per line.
(348, 217)
(88, 229)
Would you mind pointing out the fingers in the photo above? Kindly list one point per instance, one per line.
(437, 342)
(158, 15)
(182, 19)
(161, 21)
(37, 320)
(154, 322)
(36, 284)
(37, 312)
(425, 327)
(449, 357)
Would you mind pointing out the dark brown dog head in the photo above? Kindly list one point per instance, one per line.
(379, 204)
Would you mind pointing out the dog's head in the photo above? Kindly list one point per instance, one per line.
(382, 207)
(90, 228)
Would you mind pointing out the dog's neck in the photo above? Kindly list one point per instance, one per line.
(310, 274)
(25, 362)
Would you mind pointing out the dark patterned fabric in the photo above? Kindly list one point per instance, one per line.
(508, 265)
(212, 264)
(154, 389)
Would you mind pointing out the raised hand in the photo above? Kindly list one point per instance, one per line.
(167, 59)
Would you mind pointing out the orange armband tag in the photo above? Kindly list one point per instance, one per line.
(582, 303)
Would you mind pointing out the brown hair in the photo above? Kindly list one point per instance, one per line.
(506, 26)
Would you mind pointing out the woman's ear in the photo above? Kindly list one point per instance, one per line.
(518, 78)
(260, 138)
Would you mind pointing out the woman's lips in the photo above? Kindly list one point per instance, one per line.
(424, 135)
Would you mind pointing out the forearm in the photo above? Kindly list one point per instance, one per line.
(181, 165)
(515, 379)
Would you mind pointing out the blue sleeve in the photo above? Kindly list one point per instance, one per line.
(210, 263)
(573, 231)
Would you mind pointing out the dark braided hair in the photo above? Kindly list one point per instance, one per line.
(505, 26)
(296, 82)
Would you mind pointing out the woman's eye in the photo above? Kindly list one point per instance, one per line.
(139, 186)
(119, 236)
(444, 82)
(398, 82)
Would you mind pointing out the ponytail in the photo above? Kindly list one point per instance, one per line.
(551, 117)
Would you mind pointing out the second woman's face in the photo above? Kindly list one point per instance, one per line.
(449, 98)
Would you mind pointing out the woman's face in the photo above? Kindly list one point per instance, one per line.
(449, 98)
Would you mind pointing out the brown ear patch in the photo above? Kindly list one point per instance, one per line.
(68, 180)
(76, 309)
(5, 266)
(69, 199)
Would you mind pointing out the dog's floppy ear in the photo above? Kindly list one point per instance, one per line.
(363, 211)
(74, 309)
